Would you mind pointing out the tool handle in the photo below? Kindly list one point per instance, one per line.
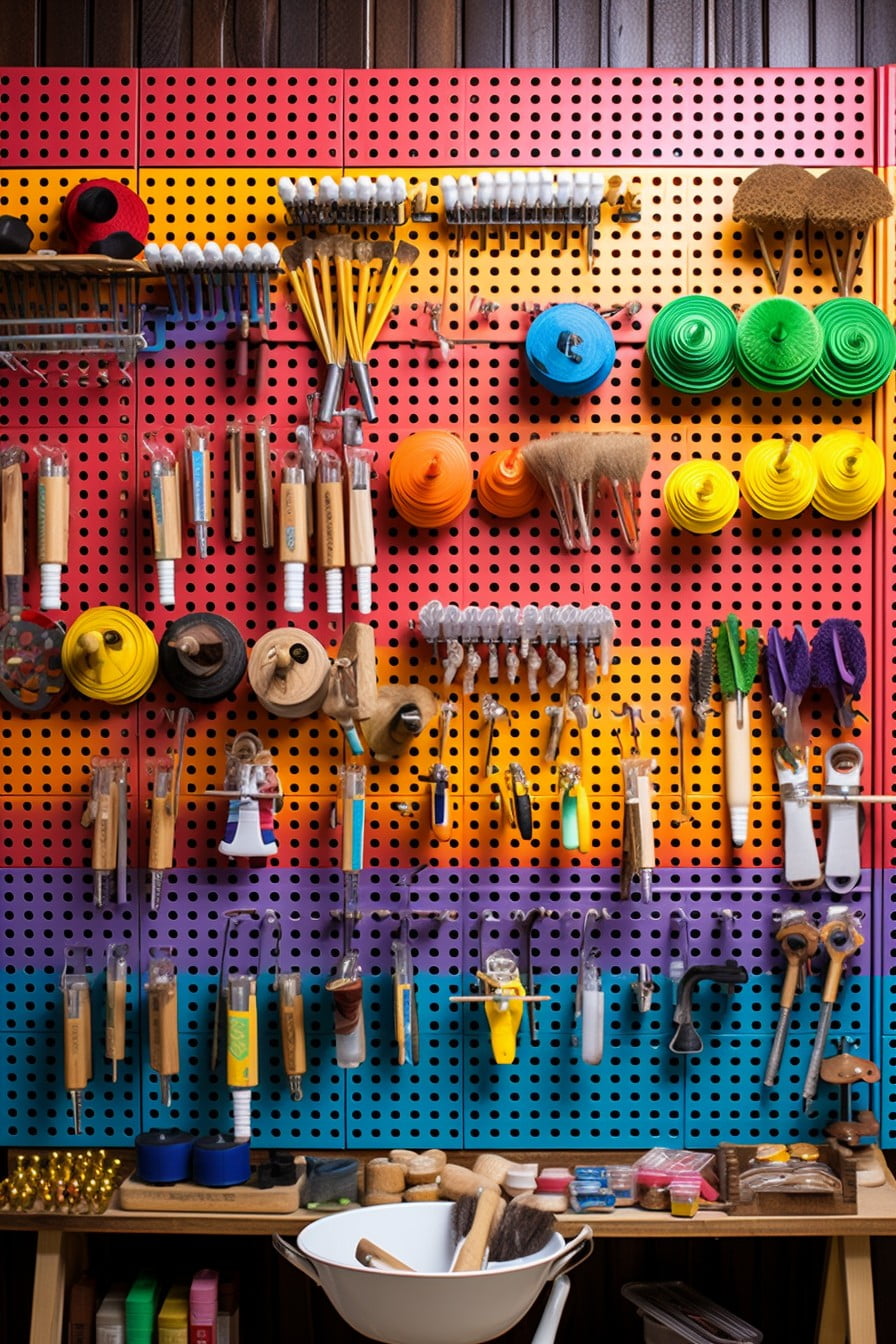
(12, 539)
(116, 1004)
(292, 1032)
(738, 773)
(164, 1055)
(237, 484)
(161, 835)
(441, 808)
(790, 982)
(475, 1244)
(522, 810)
(368, 1253)
(77, 1038)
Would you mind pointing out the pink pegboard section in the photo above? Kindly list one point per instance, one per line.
(726, 117)
(240, 116)
(55, 116)
(404, 116)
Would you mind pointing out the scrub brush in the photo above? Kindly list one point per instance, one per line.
(522, 1230)
(774, 200)
(789, 674)
(737, 668)
(839, 663)
(566, 468)
(847, 201)
(622, 460)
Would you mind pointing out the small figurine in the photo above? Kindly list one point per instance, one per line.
(253, 787)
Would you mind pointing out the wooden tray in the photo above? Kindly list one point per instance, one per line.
(136, 1197)
(733, 1159)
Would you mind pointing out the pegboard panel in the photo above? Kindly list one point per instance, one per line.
(51, 117)
(240, 116)
(667, 116)
(212, 146)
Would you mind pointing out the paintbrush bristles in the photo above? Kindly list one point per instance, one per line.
(848, 198)
(773, 197)
(569, 466)
(622, 460)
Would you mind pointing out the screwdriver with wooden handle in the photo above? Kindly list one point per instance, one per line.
(841, 938)
(799, 942)
(116, 1004)
(292, 1031)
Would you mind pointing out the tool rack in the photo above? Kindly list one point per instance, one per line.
(205, 149)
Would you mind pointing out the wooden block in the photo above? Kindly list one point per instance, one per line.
(184, 1197)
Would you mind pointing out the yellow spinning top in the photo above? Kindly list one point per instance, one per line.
(700, 496)
(110, 654)
(778, 478)
(851, 474)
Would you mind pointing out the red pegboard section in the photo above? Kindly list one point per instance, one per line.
(51, 117)
(240, 116)
(726, 117)
(404, 116)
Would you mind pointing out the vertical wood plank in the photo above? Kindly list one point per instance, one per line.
(578, 33)
(66, 28)
(878, 33)
(255, 32)
(19, 40)
(344, 44)
(628, 34)
(532, 34)
(739, 35)
(113, 33)
(837, 28)
(212, 34)
(165, 33)
(435, 39)
(485, 34)
(674, 35)
(300, 34)
(393, 43)
(789, 34)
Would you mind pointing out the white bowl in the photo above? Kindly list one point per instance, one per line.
(426, 1304)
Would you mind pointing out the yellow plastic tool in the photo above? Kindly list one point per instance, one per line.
(110, 654)
(504, 1013)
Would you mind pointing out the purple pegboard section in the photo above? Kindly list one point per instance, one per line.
(240, 117)
(69, 116)
(685, 117)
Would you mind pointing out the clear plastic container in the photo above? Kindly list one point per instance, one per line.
(684, 1196)
(622, 1183)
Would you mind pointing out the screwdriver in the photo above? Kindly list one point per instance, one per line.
(292, 1031)
(164, 1053)
(116, 1004)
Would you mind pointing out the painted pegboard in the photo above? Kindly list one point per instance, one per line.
(210, 147)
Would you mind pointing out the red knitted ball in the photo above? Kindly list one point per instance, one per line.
(103, 216)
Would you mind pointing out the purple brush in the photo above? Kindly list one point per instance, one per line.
(789, 675)
(839, 662)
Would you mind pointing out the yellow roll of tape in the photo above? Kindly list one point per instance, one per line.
(778, 478)
(110, 654)
(851, 474)
(700, 496)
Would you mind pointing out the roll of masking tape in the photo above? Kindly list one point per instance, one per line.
(289, 672)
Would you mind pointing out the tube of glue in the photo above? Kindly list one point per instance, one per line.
(167, 523)
(164, 1051)
(361, 543)
(116, 1004)
(330, 526)
(294, 551)
(52, 523)
(242, 1050)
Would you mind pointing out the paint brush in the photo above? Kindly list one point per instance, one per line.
(737, 668)
(622, 460)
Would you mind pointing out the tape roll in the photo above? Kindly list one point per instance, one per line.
(203, 656)
(110, 654)
(570, 349)
(430, 478)
(289, 672)
(164, 1156)
(220, 1160)
(505, 485)
(700, 496)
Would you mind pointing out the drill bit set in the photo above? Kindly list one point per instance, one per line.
(208, 282)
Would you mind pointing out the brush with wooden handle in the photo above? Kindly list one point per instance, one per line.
(737, 671)
(473, 1248)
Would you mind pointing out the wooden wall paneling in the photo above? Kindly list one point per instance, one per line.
(166, 33)
(66, 27)
(113, 39)
(628, 34)
(679, 35)
(788, 40)
(255, 25)
(838, 28)
(300, 34)
(393, 39)
(344, 44)
(485, 35)
(738, 37)
(436, 34)
(19, 41)
(533, 34)
(579, 31)
(878, 19)
(212, 34)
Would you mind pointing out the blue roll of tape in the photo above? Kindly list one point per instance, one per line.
(164, 1156)
(570, 349)
(220, 1160)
